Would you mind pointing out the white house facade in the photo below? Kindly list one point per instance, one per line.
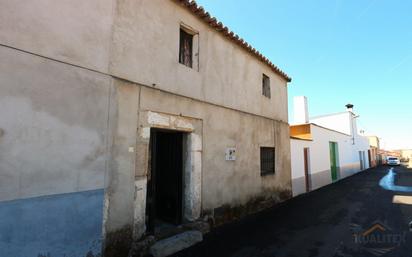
(325, 149)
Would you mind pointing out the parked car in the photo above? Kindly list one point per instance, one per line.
(393, 161)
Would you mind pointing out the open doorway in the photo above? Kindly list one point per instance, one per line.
(165, 179)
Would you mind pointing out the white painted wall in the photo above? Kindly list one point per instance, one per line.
(348, 156)
(319, 157)
(297, 164)
(339, 122)
(297, 159)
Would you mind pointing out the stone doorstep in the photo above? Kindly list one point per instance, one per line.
(175, 243)
(201, 226)
(143, 247)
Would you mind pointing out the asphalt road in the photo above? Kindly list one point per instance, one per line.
(353, 217)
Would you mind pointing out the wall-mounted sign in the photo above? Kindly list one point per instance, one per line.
(230, 154)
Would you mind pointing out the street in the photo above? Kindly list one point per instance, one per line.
(352, 217)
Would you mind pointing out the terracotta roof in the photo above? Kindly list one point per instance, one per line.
(197, 10)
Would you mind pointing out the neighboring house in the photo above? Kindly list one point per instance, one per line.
(374, 156)
(385, 154)
(322, 151)
(406, 155)
(120, 118)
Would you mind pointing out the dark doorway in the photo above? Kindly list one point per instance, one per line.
(164, 195)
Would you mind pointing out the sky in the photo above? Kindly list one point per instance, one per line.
(337, 52)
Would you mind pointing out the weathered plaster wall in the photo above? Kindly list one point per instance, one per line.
(72, 31)
(227, 76)
(121, 191)
(54, 226)
(211, 128)
(113, 37)
(230, 182)
(66, 129)
(54, 122)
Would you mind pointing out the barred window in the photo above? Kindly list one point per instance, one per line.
(186, 48)
(265, 86)
(267, 161)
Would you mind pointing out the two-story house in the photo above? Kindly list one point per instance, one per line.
(121, 118)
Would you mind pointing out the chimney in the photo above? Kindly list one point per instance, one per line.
(349, 107)
(300, 110)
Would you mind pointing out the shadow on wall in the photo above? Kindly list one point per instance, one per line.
(68, 225)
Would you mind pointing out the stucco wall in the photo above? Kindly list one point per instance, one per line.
(54, 152)
(139, 41)
(145, 50)
(340, 122)
(66, 130)
(374, 141)
(72, 31)
(297, 164)
(54, 122)
(321, 152)
(54, 226)
(230, 182)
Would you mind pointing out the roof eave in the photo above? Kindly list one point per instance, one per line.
(219, 27)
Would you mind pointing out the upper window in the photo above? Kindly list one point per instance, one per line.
(265, 86)
(186, 48)
(267, 161)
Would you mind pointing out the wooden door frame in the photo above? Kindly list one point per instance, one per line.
(306, 167)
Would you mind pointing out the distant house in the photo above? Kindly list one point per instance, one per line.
(406, 154)
(374, 156)
(324, 149)
(385, 154)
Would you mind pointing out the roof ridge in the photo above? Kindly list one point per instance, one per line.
(200, 12)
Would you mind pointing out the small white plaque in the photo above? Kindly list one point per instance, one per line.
(230, 154)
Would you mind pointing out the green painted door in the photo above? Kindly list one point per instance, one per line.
(333, 149)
